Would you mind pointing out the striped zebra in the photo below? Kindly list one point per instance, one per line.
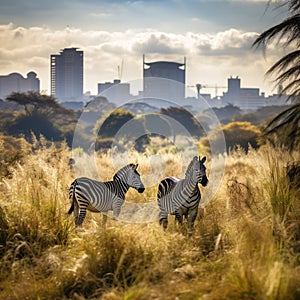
(181, 197)
(96, 196)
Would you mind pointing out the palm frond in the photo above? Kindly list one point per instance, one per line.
(287, 71)
(290, 74)
(285, 61)
(292, 90)
(289, 116)
(289, 28)
(294, 5)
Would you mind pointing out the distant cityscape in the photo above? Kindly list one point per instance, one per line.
(161, 79)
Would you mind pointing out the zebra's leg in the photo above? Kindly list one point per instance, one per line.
(76, 212)
(179, 219)
(191, 217)
(116, 207)
(104, 219)
(81, 216)
(178, 216)
(163, 219)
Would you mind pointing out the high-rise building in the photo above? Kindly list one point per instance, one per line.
(115, 91)
(164, 79)
(15, 82)
(67, 75)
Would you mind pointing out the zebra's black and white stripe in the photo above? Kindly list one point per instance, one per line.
(87, 194)
(181, 197)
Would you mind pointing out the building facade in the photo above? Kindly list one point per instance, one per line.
(164, 80)
(116, 91)
(67, 75)
(244, 98)
(15, 82)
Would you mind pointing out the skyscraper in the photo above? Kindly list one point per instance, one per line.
(67, 75)
(164, 79)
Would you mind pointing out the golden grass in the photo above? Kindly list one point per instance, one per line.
(245, 244)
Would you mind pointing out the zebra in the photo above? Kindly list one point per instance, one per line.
(181, 197)
(96, 196)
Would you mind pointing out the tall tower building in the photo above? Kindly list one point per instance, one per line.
(164, 79)
(67, 75)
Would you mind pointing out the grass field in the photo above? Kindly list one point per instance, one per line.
(246, 243)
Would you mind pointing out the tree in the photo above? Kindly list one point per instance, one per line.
(99, 104)
(236, 134)
(112, 123)
(226, 113)
(187, 121)
(35, 103)
(287, 71)
(42, 114)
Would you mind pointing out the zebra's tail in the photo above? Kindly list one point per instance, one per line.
(73, 197)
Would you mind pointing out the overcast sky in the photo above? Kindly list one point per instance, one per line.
(215, 36)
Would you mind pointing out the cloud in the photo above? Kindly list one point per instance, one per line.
(230, 42)
(25, 49)
(165, 15)
(160, 43)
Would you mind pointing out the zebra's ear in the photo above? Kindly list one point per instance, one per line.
(203, 160)
(134, 167)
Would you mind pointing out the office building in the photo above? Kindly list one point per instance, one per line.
(67, 75)
(116, 91)
(244, 98)
(164, 79)
(15, 82)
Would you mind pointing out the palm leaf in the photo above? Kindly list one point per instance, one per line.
(287, 70)
(294, 5)
(284, 62)
(293, 89)
(289, 28)
(288, 116)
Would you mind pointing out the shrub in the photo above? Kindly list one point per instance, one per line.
(236, 134)
(12, 150)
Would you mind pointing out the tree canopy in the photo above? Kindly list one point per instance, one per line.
(185, 118)
(108, 126)
(287, 71)
(236, 134)
(36, 103)
(42, 115)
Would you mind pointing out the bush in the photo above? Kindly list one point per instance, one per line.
(12, 150)
(34, 194)
(236, 134)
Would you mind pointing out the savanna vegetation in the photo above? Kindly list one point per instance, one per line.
(246, 243)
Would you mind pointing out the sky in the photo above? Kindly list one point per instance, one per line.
(215, 36)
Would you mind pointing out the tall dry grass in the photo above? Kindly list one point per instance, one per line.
(245, 244)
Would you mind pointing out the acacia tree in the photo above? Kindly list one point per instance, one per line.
(185, 119)
(36, 103)
(287, 72)
(42, 115)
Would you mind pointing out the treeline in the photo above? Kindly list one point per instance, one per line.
(25, 117)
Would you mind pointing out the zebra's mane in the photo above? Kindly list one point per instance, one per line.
(123, 171)
(190, 167)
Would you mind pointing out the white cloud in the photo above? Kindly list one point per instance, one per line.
(219, 55)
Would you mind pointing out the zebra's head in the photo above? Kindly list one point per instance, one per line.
(197, 170)
(131, 177)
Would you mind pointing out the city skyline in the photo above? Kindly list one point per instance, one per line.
(216, 40)
(67, 74)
